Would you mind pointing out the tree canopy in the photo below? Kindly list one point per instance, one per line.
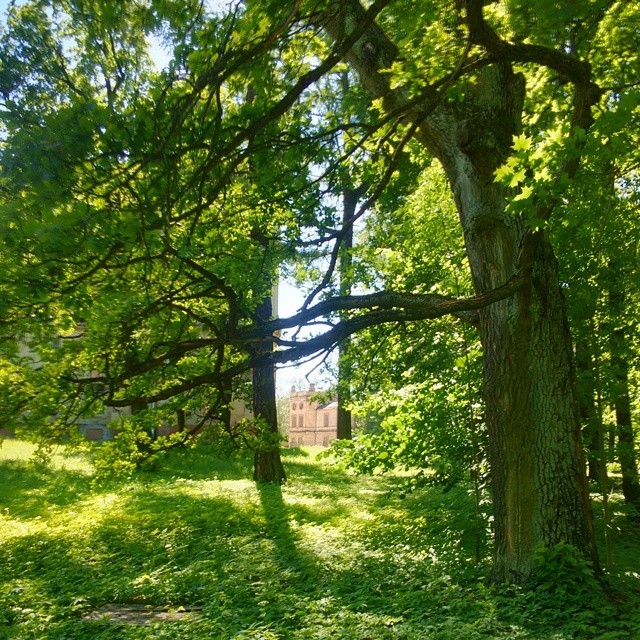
(173, 196)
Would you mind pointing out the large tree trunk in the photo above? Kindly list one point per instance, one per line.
(539, 485)
(267, 463)
(538, 477)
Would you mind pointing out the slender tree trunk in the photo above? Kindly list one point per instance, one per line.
(344, 395)
(621, 400)
(626, 443)
(180, 420)
(588, 415)
(350, 202)
(137, 406)
(603, 472)
(267, 462)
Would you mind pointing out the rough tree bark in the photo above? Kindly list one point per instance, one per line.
(267, 462)
(539, 484)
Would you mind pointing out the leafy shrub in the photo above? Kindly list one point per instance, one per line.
(565, 588)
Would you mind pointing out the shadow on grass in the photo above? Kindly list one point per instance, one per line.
(328, 555)
(201, 463)
(239, 555)
(205, 463)
(294, 452)
(28, 490)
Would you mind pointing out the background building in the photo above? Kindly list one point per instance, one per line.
(311, 423)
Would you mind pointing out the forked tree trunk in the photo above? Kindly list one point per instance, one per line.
(267, 462)
(538, 477)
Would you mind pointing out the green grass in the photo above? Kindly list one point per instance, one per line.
(328, 555)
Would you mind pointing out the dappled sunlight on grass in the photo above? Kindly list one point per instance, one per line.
(33, 495)
(327, 555)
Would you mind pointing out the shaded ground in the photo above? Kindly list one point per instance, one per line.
(326, 556)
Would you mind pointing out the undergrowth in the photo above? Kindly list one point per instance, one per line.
(328, 555)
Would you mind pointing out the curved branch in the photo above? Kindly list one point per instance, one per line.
(578, 71)
(382, 308)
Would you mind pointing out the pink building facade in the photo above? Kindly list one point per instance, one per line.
(311, 423)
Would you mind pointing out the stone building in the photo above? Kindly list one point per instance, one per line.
(311, 423)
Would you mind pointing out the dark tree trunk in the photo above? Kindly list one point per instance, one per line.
(267, 463)
(349, 205)
(180, 420)
(137, 406)
(588, 414)
(344, 417)
(621, 400)
(626, 443)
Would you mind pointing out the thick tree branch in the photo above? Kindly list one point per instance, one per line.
(381, 307)
(578, 71)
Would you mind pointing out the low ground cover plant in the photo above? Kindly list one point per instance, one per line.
(328, 555)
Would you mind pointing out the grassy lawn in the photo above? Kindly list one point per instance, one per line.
(328, 555)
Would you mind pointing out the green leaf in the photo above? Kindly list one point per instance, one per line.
(521, 143)
(525, 193)
(517, 178)
(542, 175)
(502, 172)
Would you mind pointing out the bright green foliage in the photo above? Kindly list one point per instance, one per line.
(131, 227)
(599, 237)
(150, 209)
(419, 383)
(326, 556)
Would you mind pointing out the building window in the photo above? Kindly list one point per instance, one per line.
(301, 422)
(294, 421)
(325, 441)
(326, 420)
(300, 406)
